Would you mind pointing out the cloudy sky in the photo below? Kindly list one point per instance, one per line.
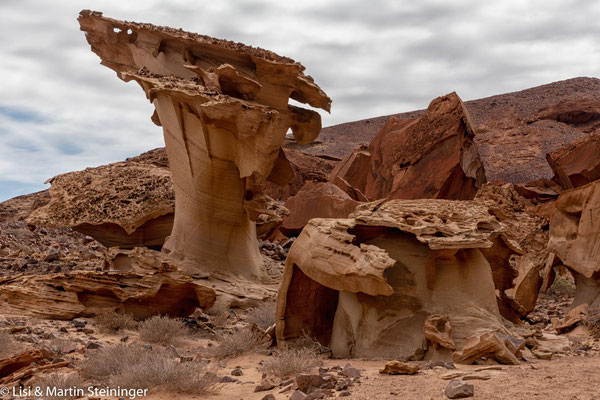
(60, 110)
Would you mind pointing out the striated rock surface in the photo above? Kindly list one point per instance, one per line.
(431, 157)
(124, 204)
(82, 293)
(575, 240)
(350, 174)
(224, 111)
(577, 163)
(316, 200)
(366, 285)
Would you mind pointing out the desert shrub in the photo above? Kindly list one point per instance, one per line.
(8, 346)
(219, 315)
(562, 286)
(290, 361)
(108, 320)
(139, 367)
(59, 381)
(311, 344)
(61, 346)
(235, 344)
(162, 330)
(263, 315)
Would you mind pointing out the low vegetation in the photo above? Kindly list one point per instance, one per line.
(162, 330)
(562, 286)
(291, 361)
(263, 315)
(109, 320)
(232, 345)
(139, 367)
(62, 382)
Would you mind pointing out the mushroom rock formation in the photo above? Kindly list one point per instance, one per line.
(577, 163)
(516, 273)
(383, 280)
(82, 293)
(316, 200)
(575, 240)
(431, 157)
(124, 204)
(224, 111)
(350, 173)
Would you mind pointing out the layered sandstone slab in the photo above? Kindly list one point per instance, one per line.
(577, 163)
(430, 157)
(125, 204)
(82, 293)
(224, 111)
(366, 285)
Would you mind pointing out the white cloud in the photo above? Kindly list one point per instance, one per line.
(61, 111)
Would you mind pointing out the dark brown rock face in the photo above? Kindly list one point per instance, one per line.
(431, 157)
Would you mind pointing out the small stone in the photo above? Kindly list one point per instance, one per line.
(298, 395)
(64, 329)
(237, 372)
(542, 355)
(268, 397)
(267, 383)
(399, 368)
(227, 379)
(458, 389)
(350, 371)
(307, 382)
(79, 324)
(124, 339)
(87, 331)
(489, 368)
(93, 345)
(451, 375)
(481, 377)
(344, 393)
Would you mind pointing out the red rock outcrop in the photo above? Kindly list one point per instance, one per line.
(350, 173)
(431, 157)
(316, 200)
(366, 285)
(224, 111)
(577, 163)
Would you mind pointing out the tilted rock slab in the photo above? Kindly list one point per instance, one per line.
(575, 240)
(430, 157)
(366, 285)
(224, 111)
(124, 204)
(578, 163)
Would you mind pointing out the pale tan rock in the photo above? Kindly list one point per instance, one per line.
(124, 204)
(224, 111)
(489, 344)
(575, 240)
(399, 368)
(439, 332)
(452, 375)
(476, 377)
(364, 286)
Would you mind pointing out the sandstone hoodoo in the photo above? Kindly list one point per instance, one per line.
(575, 241)
(366, 285)
(224, 111)
(430, 157)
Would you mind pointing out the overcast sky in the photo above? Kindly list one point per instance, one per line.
(60, 110)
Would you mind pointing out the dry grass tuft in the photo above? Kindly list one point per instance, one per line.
(8, 346)
(236, 344)
(162, 330)
(291, 361)
(58, 381)
(154, 369)
(562, 286)
(263, 315)
(108, 320)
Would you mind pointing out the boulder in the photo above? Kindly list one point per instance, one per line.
(224, 111)
(125, 204)
(399, 368)
(578, 163)
(458, 390)
(430, 157)
(350, 173)
(364, 286)
(316, 200)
